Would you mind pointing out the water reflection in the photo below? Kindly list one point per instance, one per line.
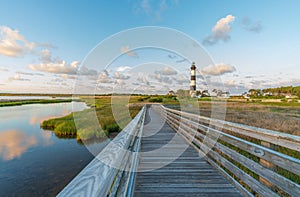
(33, 161)
(47, 138)
(20, 127)
(37, 120)
(14, 143)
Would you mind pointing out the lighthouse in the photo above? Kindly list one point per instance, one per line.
(193, 81)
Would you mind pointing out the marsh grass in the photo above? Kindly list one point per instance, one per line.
(39, 101)
(84, 127)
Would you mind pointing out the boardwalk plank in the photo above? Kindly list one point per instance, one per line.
(185, 173)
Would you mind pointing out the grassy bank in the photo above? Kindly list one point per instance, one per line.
(38, 101)
(87, 126)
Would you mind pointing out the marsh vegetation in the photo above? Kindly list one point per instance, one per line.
(38, 101)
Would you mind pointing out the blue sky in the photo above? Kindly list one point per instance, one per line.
(256, 43)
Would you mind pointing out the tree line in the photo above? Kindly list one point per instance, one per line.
(279, 91)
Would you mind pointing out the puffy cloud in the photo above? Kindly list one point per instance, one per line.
(13, 44)
(251, 26)
(118, 75)
(120, 82)
(143, 80)
(167, 71)
(17, 77)
(45, 56)
(123, 68)
(161, 78)
(104, 78)
(85, 71)
(126, 50)
(180, 79)
(55, 65)
(59, 67)
(220, 31)
(218, 69)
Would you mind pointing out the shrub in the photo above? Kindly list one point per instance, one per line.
(156, 100)
(113, 128)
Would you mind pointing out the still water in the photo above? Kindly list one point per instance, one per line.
(33, 161)
(7, 98)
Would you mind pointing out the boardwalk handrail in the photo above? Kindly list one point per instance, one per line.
(236, 151)
(112, 172)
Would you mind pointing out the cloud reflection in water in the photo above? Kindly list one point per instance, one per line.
(14, 143)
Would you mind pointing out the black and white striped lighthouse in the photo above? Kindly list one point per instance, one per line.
(193, 81)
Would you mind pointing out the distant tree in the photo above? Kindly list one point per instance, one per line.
(255, 92)
(171, 93)
(218, 92)
(205, 93)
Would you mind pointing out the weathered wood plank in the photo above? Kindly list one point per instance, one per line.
(186, 173)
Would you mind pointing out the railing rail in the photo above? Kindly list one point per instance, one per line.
(236, 150)
(112, 172)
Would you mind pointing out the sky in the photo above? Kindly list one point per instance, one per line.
(45, 45)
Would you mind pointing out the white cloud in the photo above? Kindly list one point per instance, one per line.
(167, 71)
(59, 67)
(13, 44)
(143, 80)
(65, 76)
(126, 50)
(220, 31)
(17, 77)
(161, 78)
(104, 78)
(180, 79)
(118, 75)
(120, 82)
(86, 71)
(218, 69)
(55, 65)
(123, 68)
(30, 74)
(45, 56)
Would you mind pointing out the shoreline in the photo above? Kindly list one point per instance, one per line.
(9, 103)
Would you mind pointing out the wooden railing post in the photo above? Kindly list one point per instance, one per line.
(268, 165)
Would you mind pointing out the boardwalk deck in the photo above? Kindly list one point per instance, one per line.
(168, 166)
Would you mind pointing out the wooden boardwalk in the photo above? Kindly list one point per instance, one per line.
(168, 166)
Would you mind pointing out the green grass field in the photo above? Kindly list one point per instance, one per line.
(83, 126)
